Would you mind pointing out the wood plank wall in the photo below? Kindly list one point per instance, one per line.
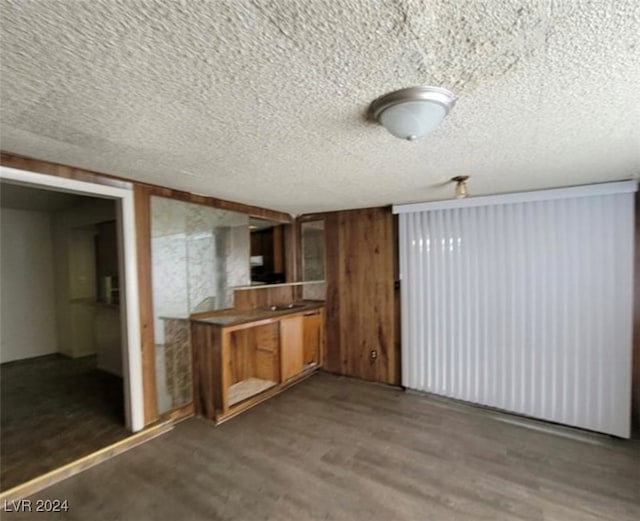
(291, 250)
(635, 379)
(263, 296)
(145, 301)
(361, 264)
(207, 363)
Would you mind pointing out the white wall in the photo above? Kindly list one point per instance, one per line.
(108, 340)
(74, 229)
(27, 312)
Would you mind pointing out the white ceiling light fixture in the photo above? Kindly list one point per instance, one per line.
(413, 112)
(461, 191)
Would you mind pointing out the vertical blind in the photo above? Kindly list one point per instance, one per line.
(523, 305)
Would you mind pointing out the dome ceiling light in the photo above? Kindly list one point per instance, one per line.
(413, 112)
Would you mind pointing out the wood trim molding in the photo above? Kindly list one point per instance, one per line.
(295, 252)
(178, 414)
(397, 307)
(47, 167)
(278, 249)
(635, 376)
(252, 211)
(75, 467)
(143, 239)
(306, 217)
(56, 169)
(311, 217)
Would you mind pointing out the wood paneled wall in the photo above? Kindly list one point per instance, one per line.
(291, 262)
(207, 365)
(145, 287)
(263, 296)
(635, 379)
(361, 266)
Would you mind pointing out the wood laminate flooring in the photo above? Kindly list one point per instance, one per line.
(55, 410)
(335, 448)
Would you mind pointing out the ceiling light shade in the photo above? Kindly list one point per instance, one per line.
(414, 112)
(461, 191)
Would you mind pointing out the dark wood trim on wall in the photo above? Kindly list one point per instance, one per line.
(291, 251)
(635, 378)
(397, 306)
(145, 285)
(70, 172)
(253, 211)
(361, 315)
(336, 354)
(46, 167)
(300, 220)
(278, 249)
(264, 296)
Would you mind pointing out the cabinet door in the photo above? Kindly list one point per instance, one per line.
(291, 352)
(312, 338)
(267, 360)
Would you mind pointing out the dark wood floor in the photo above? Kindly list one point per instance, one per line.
(55, 410)
(333, 448)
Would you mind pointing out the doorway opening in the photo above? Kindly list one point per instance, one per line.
(69, 363)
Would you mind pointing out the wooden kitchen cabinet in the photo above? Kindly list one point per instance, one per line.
(241, 358)
(252, 362)
(301, 343)
(291, 346)
(312, 332)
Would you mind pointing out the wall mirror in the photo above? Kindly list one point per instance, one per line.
(198, 254)
(312, 238)
(267, 261)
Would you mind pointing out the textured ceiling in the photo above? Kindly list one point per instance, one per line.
(264, 102)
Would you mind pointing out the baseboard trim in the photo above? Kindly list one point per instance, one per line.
(75, 467)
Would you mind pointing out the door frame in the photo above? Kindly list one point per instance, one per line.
(129, 312)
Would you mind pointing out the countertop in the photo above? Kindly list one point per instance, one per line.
(233, 317)
(281, 285)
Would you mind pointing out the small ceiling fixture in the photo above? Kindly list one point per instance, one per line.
(414, 112)
(461, 186)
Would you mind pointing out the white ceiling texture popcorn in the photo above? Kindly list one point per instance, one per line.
(265, 102)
